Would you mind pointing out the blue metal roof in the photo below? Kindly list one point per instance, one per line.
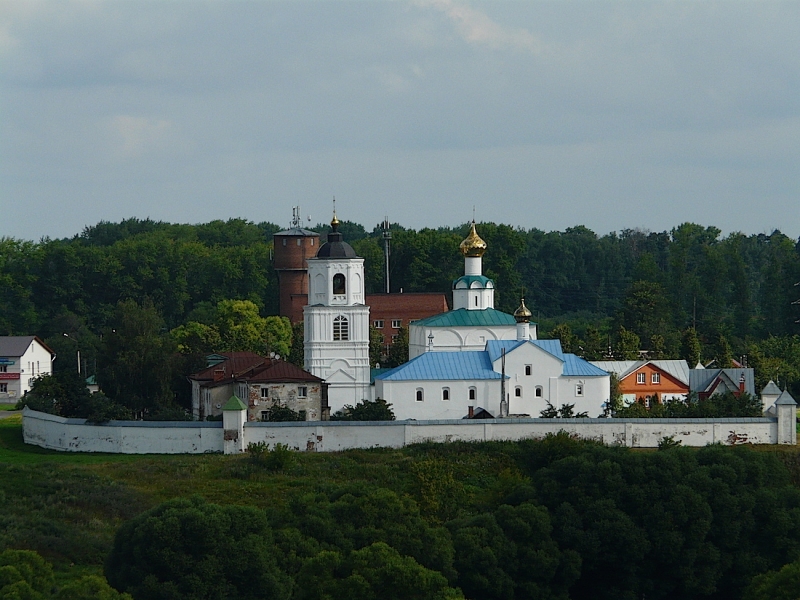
(468, 318)
(551, 346)
(495, 347)
(444, 366)
(574, 366)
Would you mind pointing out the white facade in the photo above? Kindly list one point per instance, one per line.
(456, 338)
(22, 360)
(336, 322)
(447, 385)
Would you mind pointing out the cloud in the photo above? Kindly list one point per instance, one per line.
(477, 27)
(136, 136)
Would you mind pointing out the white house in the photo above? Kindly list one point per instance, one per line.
(22, 359)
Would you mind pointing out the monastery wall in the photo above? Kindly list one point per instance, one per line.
(148, 437)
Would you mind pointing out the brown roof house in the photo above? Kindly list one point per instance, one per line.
(261, 383)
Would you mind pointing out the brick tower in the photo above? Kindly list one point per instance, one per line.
(292, 248)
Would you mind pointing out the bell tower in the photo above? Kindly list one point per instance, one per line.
(337, 321)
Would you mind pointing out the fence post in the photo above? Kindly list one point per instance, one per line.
(234, 415)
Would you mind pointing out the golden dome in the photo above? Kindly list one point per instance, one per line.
(335, 220)
(522, 314)
(473, 245)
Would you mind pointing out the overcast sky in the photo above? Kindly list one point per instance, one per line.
(611, 115)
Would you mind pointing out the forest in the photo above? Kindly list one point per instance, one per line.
(685, 293)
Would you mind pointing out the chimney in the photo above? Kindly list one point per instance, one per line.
(219, 374)
(471, 413)
(741, 383)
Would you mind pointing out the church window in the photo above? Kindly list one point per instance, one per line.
(527, 369)
(579, 389)
(338, 284)
(539, 391)
(340, 329)
(656, 378)
(518, 392)
(420, 395)
(473, 393)
(445, 393)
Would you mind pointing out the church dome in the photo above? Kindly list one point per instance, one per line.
(522, 314)
(336, 247)
(473, 246)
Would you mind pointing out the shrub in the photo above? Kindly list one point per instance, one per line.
(366, 410)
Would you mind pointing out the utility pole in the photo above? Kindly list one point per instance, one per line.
(387, 236)
(503, 399)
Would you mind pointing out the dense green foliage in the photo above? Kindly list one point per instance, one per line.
(65, 393)
(366, 410)
(726, 404)
(562, 519)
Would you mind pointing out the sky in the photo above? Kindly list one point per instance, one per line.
(609, 114)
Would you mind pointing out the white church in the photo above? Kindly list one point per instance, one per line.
(471, 361)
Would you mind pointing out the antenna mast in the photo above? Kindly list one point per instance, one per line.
(387, 236)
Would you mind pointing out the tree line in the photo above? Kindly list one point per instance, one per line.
(684, 293)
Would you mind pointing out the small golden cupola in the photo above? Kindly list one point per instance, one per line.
(473, 246)
(522, 314)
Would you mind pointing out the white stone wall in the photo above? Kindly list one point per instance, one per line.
(75, 435)
(121, 437)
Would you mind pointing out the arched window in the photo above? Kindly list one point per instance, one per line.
(420, 395)
(445, 393)
(539, 391)
(338, 284)
(518, 392)
(473, 393)
(340, 329)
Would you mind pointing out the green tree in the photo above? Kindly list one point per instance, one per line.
(297, 352)
(776, 585)
(24, 575)
(563, 332)
(376, 347)
(65, 393)
(690, 347)
(375, 572)
(398, 351)
(187, 548)
(90, 587)
(594, 345)
(366, 410)
(627, 346)
(136, 365)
